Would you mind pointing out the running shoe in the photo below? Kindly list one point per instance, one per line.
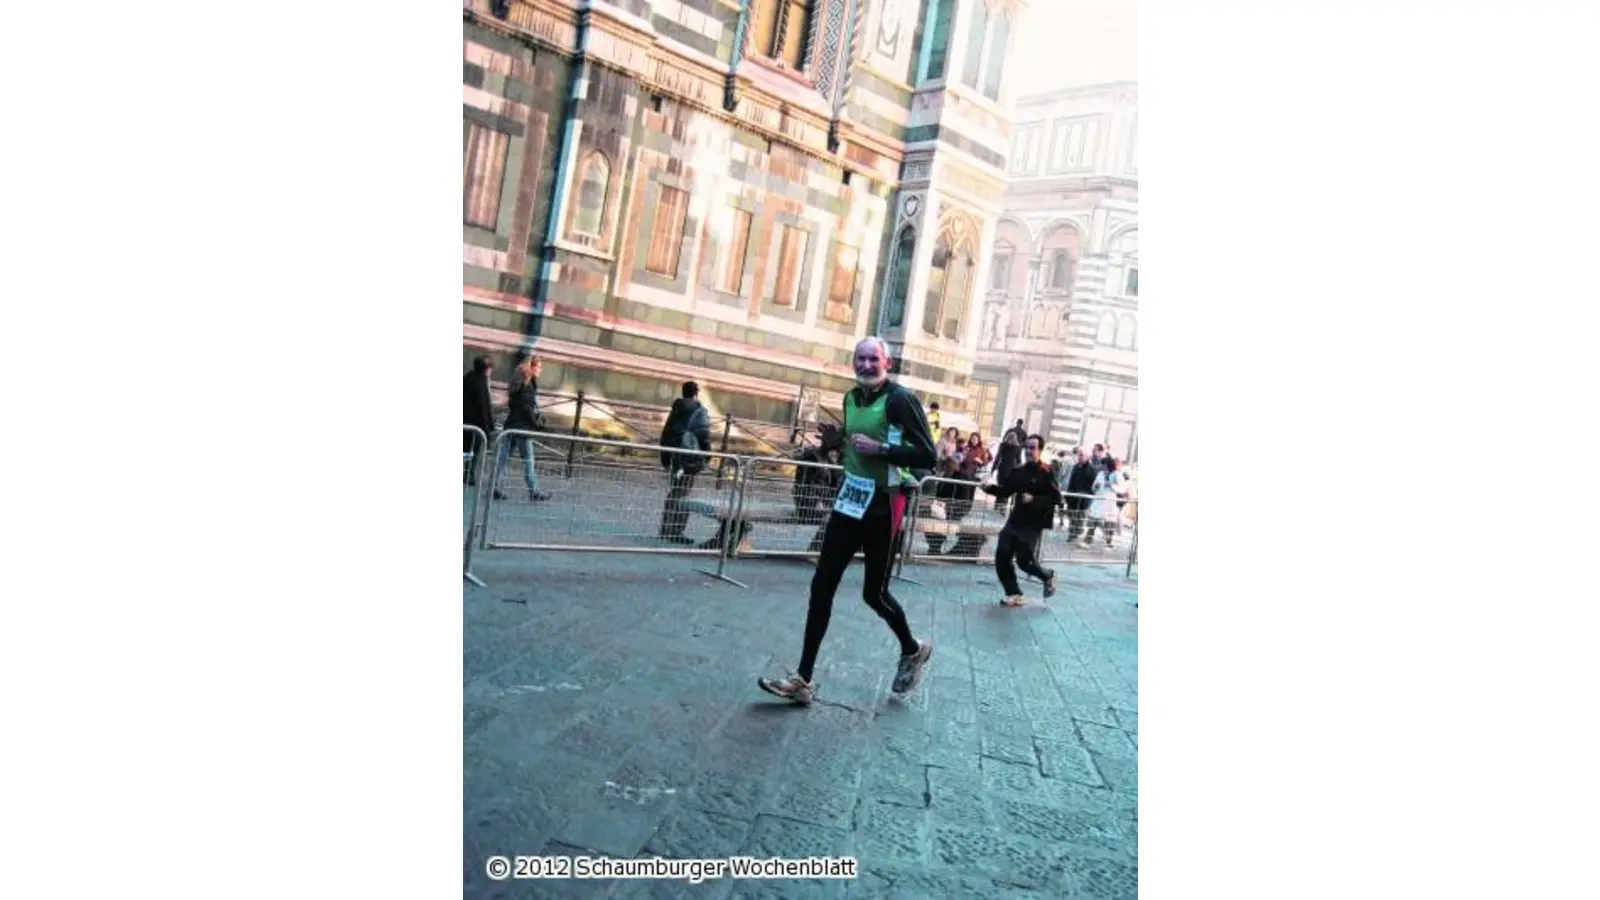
(909, 674)
(1013, 600)
(1050, 586)
(793, 688)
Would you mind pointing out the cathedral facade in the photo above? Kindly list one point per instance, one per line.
(732, 191)
(1059, 343)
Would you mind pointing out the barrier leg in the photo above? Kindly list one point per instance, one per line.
(908, 533)
(731, 531)
(480, 476)
(1133, 554)
(486, 491)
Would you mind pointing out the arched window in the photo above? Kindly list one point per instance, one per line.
(900, 277)
(936, 46)
(976, 30)
(1060, 270)
(1126, 330)
(998, 35)
(938, 275)
(1108, 330)
(959, 289)
(1000, 265)
(949, 286)
(779, 29)
(592, 181)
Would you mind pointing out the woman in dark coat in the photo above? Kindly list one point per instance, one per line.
(524, 416)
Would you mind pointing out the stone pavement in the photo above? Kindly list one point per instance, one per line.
(613, 711)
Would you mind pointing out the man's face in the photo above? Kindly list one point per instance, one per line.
(488, 371)
(1030, 448)
(538, 368)
(872, 364)
(1082, 457)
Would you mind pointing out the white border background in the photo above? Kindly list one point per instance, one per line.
(232, 280)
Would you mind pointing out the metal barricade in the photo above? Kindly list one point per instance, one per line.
(474, 458)
(602, 496)
(955, 521)
(784, 507)
(1133, 553)
(1090, 531)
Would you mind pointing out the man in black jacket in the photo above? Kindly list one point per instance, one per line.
(1037, 495)
(689, 427)
(476, 410)
(885, 436)
(1080, 485)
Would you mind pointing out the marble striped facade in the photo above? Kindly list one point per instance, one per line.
(666, 203)
(1061, 314)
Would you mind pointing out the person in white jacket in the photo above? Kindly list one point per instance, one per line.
(1103, 512)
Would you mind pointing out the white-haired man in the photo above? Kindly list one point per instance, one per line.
(885, 435)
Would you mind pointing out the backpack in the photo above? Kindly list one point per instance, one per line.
(688, 441)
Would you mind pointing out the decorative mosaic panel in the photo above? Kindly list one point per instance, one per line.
(828, 64)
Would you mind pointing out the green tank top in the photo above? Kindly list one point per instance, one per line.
(873, 421)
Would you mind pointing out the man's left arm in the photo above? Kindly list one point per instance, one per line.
(915, 450)
(1052, 489)
(702, 429)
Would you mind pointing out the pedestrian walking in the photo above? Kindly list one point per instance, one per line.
(688, 427)
(524, 416)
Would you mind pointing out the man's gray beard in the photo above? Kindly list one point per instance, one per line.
(871, 382)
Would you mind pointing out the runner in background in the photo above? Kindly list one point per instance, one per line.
(1037, 497)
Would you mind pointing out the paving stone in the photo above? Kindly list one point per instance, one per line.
(1059, 823)
(894, 883)
(1012, 772)
(1092, 874)
(828, 803)
(959, 800)
(1113, 743)
(898, 781)
(1014, 779)
(1010, 856)
(1066, 760)
(1010, 748)
(689, 833)
(889, 834)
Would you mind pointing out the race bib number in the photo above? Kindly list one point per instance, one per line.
(854, 496)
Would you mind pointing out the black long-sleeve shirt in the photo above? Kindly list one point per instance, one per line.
(1037, 480)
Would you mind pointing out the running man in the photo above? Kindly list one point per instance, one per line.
(885, 434)
(1037, 496)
